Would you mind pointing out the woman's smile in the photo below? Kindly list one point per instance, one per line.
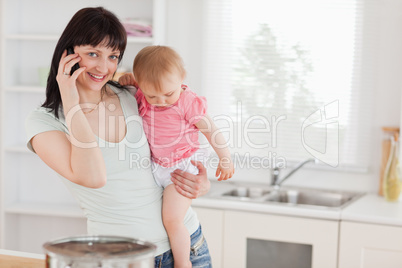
(97, 78)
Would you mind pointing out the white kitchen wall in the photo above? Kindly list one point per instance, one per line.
(184, 33)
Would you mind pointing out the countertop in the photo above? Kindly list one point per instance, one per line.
(22, 254)
(14, 259)
(369, 208)
(372, 208)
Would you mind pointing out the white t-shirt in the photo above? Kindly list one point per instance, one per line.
(130, 204)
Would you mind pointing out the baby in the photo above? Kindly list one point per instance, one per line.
(172, 116)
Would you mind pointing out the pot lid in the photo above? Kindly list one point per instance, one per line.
(99, 247)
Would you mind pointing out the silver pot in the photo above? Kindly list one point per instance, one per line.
(99, 251)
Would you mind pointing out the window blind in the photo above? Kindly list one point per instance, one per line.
(289, 80)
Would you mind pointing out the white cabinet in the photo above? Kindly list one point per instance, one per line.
(249, 238)
(245, 239)
(212, 221)
(34, 204)
(370, 246)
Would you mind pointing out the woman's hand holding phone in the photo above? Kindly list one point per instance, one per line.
(67, 82)
(76, 66)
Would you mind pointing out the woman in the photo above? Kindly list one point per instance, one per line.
(88, 130)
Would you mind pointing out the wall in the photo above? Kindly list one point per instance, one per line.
(184, 33)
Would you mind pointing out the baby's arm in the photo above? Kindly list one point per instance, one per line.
(207, 126)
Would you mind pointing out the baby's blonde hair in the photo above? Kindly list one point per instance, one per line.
(153, 62)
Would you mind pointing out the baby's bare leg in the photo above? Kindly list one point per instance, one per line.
(174, 209)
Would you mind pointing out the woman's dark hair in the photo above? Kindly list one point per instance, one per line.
(89, 26)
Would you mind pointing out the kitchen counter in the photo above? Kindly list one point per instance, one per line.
(369, 208)
(14, 259)
(372, 208)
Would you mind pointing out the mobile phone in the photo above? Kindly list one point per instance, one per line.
(76, 66)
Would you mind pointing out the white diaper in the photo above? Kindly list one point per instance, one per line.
(162, 174)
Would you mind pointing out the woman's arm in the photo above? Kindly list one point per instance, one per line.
(54, 148)
(76, 157)
(190, 185)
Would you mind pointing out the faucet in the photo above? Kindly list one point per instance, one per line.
(276, 182)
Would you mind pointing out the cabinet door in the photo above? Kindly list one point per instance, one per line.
(258, 240)
(212, 226)
(370, 246)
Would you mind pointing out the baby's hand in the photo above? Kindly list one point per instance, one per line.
(128, 80)
(225, 169)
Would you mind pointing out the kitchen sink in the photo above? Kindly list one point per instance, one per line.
(247, 193)
(311, 197)
(292, 196)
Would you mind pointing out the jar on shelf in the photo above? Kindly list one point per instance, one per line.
(392, 176)
(387, 133)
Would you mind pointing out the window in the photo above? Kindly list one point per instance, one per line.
(289, 80)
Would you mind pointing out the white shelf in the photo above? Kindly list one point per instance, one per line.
(26, 89)
(68, 211)
(17, 149)
(140, 40)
